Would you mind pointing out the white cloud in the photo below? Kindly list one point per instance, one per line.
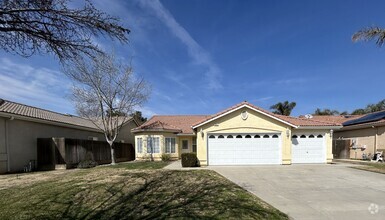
(197, 53)
(40, 87)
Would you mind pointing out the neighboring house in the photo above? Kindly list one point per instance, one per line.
(359, 135)
(243, 134)
(21, 125)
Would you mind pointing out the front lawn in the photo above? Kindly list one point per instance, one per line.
(373, 167)
(129, 191)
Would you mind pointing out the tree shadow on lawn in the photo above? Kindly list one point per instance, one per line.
(159, 195)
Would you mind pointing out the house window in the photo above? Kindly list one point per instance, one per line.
(139, 145)
(185, 144)
(194, 145)
(153, 145)
(170, 145)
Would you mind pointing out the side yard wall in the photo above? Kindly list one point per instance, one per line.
(373, 138)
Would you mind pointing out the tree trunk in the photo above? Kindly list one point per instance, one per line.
(112, 155)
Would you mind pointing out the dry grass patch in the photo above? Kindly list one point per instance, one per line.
(121, 193)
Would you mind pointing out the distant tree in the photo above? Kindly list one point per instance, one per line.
(325, 111)
(359, 111)
(106, 92)
(29, 27)
(283, 108)
(380, 106)
(137, 115)
(370, 33)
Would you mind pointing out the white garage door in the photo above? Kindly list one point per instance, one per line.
(308, 148)
(244, 149)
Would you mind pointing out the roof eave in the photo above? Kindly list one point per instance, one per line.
(155, 130)
(43, 121)
(332, 127)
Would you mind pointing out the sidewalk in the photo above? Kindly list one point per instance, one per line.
(177, 165)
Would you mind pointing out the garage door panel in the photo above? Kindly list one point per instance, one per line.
(308, 150)
(243, 151)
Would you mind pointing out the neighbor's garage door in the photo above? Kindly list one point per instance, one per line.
(308, 148)
(244, 149)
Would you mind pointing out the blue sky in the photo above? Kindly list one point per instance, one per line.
(204, 56)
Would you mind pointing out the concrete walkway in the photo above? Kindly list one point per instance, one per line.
(177, 165)
(314, 191)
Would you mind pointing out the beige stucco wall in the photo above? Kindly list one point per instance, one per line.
(373, 138)
(126, 134)
(22, 140)
(233, 123)
(3, 149)
(162, 136)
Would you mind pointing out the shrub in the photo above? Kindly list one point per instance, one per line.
(189, 160)
(166, 157)
(87, 164)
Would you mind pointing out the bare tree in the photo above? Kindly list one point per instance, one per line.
(106, 92)
(29, 27)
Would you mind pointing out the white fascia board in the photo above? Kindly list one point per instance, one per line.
(249, 107)
(319, 127)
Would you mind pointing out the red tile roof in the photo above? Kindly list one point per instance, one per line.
(290, 120)
(184, 123)
(338, 119)
(181, 123)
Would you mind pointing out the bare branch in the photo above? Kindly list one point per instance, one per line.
(370, 33)
(29, 27)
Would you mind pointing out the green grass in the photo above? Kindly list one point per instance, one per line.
(129, 193)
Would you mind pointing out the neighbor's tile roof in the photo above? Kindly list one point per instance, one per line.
(179, 123)
(37, 113)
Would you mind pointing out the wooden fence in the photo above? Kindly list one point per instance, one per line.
(64, 152)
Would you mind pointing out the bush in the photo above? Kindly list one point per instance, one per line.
(166, 157)
(87, 164)
(189, 160)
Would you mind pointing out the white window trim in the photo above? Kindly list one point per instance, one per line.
(139, 143)
(166, 147)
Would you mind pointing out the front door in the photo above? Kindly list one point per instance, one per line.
(185, 146)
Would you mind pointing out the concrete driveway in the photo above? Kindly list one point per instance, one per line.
(314, 191)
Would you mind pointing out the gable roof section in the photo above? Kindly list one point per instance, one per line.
(237, 107)
(176, 123)
(16, 109)
(291, 121)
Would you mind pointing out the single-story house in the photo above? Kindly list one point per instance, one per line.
(243, 134)
(360, 135)
(21, 125)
